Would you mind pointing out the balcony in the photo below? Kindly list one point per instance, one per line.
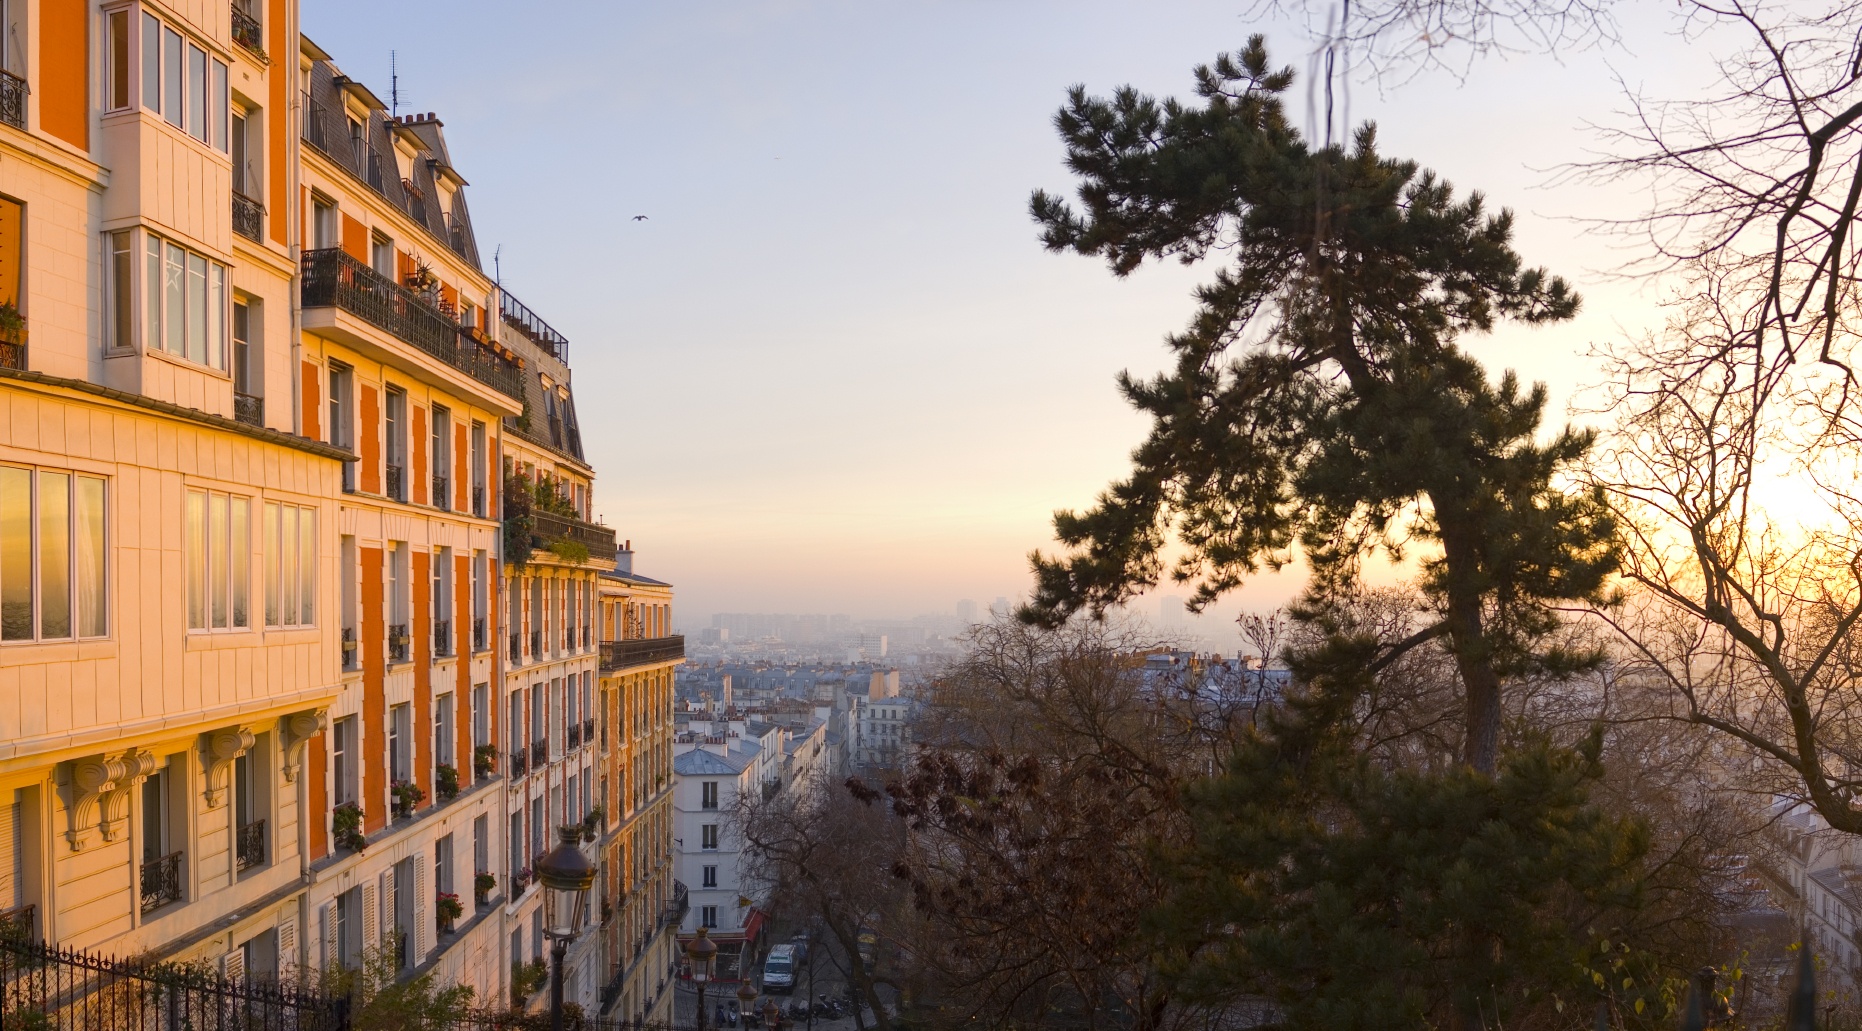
(13, 92)
(478, 502)
(478, 634)
(575, 736)
(517, 651)
(248, 217)
(539, 752)
(536, 645)
(252, 845)
(398, 640)
(396, 488)
(442, 637)
(13, 346)
(248, 409)
(247, 33)
(334, 279)
(520, 763)
(619, 655)
(441, 497)
(588, 729)
(349, 649)
(599, 540)
(568, 639)
(161, 882)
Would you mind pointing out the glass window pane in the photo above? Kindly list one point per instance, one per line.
(287, 565)
(174, 299)
(196, 531)
(119, 59)
(54, 554)
(217, 548)
(171, 75)
(151, 63)
(197, 92)
(122, 267)
(242, 557)
(307, 565)
(92, 604)
(197, 308)
(221, 108)
(216, 317)
(268, 539)
(152, 293)
(15, 554)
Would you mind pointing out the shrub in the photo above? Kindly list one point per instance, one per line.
(346, 823)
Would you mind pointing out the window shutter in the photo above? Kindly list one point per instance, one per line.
(326, 917)
(9, 856)
(287, 949)
(390, 906)
(233, 965)
(371, 916)
(422, 930)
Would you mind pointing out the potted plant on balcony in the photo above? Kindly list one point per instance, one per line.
(446, 782)
(407, 797)
(346, 826)
(447, 908)
(481, 888)
(592, 823)
(484, 761)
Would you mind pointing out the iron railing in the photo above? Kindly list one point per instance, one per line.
(520, 762)
(536, 644)
(394, 483)
(441, 497)
(568, 639)
(398, 641)
(13, 90)
(13, 350)
(248, 217)
(539, 752)
(247, 32)
(252, 845)
(517, 652)
(478, 501)
(334, 279)
(478, 633)
(598, 539)
(617, 655)
(248, 409)
(575, 736)
(588, 729)
(350, 651)
(161, 882)
(442, 637)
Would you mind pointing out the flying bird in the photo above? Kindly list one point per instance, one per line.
(640, 218)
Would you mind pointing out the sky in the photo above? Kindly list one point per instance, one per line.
(833, 370)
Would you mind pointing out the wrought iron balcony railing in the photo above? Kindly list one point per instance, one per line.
(334, 279)
(478, 634)
(350, 651)
(252, 845)
(442, 637)
(13, 92)
(575, 736)
(396, 488)
(598, 539)
(161, 882)
(536, 644)
(442, 497)
(520, 762)
(247, 32)
(617, 655)
(398, 641)
(248, 409)
(248, 217)
(478, 501)
(517, 652)
(588, 729)
(539, 752)
(13, 349)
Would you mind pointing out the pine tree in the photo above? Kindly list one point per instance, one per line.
(1320, 401)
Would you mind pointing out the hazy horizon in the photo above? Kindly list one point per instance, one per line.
(833, 370)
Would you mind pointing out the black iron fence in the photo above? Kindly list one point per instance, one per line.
(598, 539)
(13, 92)
(442, 637)
(248, 409)
(247, 31)
(248, 217)
(617, 655)
(252, 845)
(161, 882)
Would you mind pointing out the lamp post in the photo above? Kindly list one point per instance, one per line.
(746, 998)
(700, 950)
(566, 875)
(772, 1016)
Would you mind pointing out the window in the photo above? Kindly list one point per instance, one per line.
(345, 749)
(161, 875)
(711, 877)
(481, 635)
(51, 555)
(322, 222)
(119, 60)
(400, 766)
(443, 602)
(478, 469)
(186, 298)
(245, 180)
(708, 836)
(517, 852)
(481, 732)
(396, 444)
(219, 548)
(708, 916)
(245, 379)
(443, 731)
(290, 543)
(398, 602)
(180, 81)
(440, 448)
(709, 795)
(382, 253)
(481, 845)
(342, 421)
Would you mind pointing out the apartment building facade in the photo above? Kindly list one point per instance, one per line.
(279, 681)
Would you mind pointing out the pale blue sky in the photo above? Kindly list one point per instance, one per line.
(834, 370)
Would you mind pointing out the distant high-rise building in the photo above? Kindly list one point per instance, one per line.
(1001, 607)
(1170, 611)
(966, 612)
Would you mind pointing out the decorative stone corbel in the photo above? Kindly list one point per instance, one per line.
(217, 754)
(89, 779)
(296, 730)
(137, 767)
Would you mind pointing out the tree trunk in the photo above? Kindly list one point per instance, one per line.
(1473, 657)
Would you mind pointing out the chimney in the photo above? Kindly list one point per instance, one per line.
(624, 557)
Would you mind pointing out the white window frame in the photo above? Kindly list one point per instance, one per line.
(231, 553)
(34, 480)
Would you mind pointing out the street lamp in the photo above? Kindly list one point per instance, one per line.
(746, 998)
(566, 875)
(772, 1015)
(700, 950)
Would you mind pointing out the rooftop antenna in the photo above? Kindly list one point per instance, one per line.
(394, 86)
(497, 273)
